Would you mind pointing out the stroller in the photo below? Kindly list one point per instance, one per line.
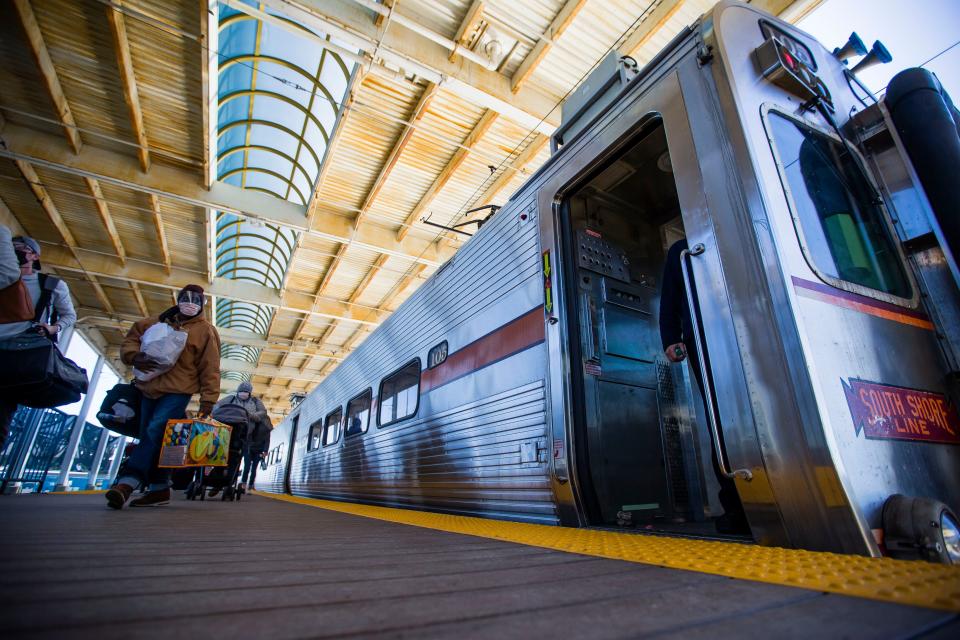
(223, 478)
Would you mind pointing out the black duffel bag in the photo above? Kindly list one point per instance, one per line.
(36, 374)
(120, 410)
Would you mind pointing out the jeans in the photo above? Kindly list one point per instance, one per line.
(141, 466)
(251, 460)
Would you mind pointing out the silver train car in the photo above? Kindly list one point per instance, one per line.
(526, 379)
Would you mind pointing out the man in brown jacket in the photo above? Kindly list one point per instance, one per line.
(166, 396)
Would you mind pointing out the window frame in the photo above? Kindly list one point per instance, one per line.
(346, 415)
(314, 425)
(913, 301)
(416, 407)
(323, 440)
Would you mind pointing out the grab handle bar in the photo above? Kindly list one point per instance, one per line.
(746, 474)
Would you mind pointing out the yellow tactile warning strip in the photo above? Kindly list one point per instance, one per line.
(910, 583)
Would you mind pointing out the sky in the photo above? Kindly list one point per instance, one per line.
(914, 31)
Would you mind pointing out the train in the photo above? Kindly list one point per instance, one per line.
(526, 378)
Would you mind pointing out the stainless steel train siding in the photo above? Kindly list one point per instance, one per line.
(477, 443)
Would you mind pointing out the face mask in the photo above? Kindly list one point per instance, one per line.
(243, 395)
(188, 309)
(21, 256)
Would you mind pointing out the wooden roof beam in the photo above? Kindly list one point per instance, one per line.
(47, 204)
(479, 130)
(419, 110)
(121, 46)
(473, 15)
(93, 186)
(403, 48)
(49, 73)
(561, 21)
(651, 25)
(92, 263)
(184, 186)
(141, 303)
(161, 232)
(522, 160)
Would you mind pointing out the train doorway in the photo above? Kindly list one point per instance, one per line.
(645, 457)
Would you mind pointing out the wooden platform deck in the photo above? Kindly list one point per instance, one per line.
(268, 569)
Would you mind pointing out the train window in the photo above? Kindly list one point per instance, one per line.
(842, 228)
(400, 394)
(331, 426)
(358, 413)
(316, 434)
(437, 355)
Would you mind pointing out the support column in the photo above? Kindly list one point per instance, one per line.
(63, 480)
(19, 462)
(117, 459)
(97, 459)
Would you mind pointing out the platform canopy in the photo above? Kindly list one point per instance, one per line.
(283, 154)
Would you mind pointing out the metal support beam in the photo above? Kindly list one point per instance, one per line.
(43, 150)
(479, 130)
(49, 73)
(63, 479)
(116, 460)
(560, 22)
(93, 318)
(97, 459)
(95, 264)
(121, 46)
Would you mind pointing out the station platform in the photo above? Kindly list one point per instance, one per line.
(282, 568)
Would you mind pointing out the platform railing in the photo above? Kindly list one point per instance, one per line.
(35, 436)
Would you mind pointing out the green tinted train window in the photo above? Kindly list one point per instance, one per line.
(842, 227)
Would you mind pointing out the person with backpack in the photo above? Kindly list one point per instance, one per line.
(166, 396)
(49, 297)
(258, 427)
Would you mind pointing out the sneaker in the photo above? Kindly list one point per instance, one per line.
(153, 499)
(213, 492)
(118, 495)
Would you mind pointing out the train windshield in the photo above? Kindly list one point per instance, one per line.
(842, 228)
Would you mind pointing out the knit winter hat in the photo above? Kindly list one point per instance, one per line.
(192, 287)
(245, 386)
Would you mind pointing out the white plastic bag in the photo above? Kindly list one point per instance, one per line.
(163, 344)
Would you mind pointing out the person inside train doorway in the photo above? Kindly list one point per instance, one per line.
(50, 298)
(676, 335)
(166, 396)
(258, 432)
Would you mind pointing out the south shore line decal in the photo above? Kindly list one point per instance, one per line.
(886, 412)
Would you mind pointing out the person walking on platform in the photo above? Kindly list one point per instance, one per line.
(53, 314)
(257, 434)
(676, 334)
(166, 396)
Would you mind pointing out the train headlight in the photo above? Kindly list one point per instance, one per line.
(951, 536)
(921, 528)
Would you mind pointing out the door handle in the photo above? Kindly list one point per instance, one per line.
(746, 474)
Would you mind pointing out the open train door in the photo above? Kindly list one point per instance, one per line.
(649, 446)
